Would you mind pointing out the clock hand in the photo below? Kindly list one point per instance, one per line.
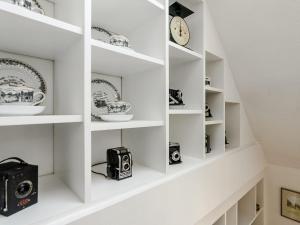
(180, 29)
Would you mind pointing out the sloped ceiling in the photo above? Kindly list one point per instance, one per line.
(262, 42)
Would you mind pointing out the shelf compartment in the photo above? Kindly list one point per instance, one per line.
(260, 193)
(54, 198)
(119, 15)
(30, 33)
(35, 120)
(124, 61)
(214, 69)
(185, 111)
(213, 90)
(246, 208)
(180, 127)
(102, 126)
(179, 54)
(213, 122)
(232, 125)
(231, 216)
(259, 218)
(107, 190)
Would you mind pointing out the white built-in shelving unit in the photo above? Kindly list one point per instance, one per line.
(245, 211)
(64, 142)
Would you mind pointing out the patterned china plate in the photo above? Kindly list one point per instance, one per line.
(102, 92)
(16, 74)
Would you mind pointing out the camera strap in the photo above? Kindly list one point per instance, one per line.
(21, 161)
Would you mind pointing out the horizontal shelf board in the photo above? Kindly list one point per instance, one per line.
(99, 126)
(55, 198)
(256, 216)
(185, 112)
(232, 102)
(213, 90)
(108, 190)
(121, 16)
(179, 54)
(113, 60)
(213, 122)
(43, 119)
(188, 163)
(32, 34)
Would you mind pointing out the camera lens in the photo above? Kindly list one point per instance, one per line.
(125, 158)
(24, 189)
(175, 156)
(126, 166)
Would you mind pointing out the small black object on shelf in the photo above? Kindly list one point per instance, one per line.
(208, 113)
(174, 153)
(119, 163)
(175, 97)
(207, 144)
(226, 140)
(18, 185)
(177, 9)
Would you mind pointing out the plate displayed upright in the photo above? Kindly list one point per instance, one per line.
(16, 74)
(102, 92)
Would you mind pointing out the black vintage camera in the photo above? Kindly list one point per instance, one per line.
(174, 153)
(18, 186)
(119, 163)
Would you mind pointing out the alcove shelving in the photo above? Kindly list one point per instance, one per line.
(232, 124)
(186, 74)
(53, 45)
(140, 76)
(64, 141)
(244, 212)
(214, 98)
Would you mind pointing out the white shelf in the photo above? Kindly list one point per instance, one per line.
(188, 164)
(100, 126)
(113, 60)
(213, 122)
(30, 33)
(213, 90)
(179, 54)
(119, 15)
(185, 112)
(256, 216)
(44, 119)
(54, 198)
(109, 190)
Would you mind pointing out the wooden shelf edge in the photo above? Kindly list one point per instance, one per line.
(213, 90)
(214, 122)
(185, 112)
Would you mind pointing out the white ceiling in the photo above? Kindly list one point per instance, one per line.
(262, 42)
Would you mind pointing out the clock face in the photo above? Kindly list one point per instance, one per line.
(179, 31)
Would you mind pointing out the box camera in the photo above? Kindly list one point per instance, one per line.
(174, 153)
(119, 163)
(18, 186)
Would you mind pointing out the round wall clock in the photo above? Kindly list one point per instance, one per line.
(179, 31)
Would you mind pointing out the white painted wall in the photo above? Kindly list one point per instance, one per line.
(275, 178)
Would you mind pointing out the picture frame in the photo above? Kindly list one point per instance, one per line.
(290, 204)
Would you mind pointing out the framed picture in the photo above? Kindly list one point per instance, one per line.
(290, 204)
